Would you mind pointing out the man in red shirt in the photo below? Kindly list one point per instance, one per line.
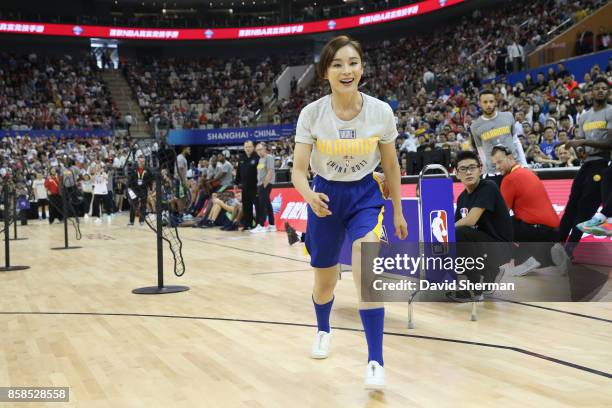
(534, 220)
(52, 184)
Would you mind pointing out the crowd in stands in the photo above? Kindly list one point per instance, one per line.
(38, 93)
(42, 167)
(459, 55)
(200, 93)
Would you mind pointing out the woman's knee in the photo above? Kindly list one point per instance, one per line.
(370, 238)
(326, 278)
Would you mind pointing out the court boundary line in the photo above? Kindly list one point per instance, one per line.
(417, 336)
(248, 250)
(494, 298)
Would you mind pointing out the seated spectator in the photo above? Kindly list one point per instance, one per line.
(481, 218)
(567, 157)
(537, 159)
(225, 211)
(562, 138)
(547, 146)
(534, 220)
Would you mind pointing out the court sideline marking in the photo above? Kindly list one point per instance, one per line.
(222, 319)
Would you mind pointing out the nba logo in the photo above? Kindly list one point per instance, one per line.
(77, 30)
(463, 212)
(331, 24)
(438, 225)
(442, 3)
(209, 33)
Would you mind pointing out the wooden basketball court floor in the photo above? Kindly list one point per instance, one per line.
(241, 336)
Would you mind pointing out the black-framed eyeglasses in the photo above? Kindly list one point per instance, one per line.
(465, 169)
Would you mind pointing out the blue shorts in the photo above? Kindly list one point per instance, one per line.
(356, 208)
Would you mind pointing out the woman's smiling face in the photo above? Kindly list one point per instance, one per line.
(345, 70)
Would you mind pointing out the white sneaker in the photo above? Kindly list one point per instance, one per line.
(271, 228)
(560, 258)
(98, 221)
(109, 219)
(257, 229)
(320, 346)
(523, 269)
(375, 376)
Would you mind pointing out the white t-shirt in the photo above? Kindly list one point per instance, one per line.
(345, 150)
(100, 186)
(40, 192)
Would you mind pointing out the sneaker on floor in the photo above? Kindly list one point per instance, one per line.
(320, 346)
(596, 221)
(142, 224)
(130, 224)
(271, 228)
(375, 376)
(98, 221)
(257, 229)
(292, 235)
(560, 258)
(523, 269)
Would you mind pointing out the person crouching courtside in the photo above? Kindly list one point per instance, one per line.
(344, 136)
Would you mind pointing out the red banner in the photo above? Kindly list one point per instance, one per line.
(362, 20)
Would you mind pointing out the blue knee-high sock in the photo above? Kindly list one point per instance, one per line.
(373, 321)
(323, 312)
